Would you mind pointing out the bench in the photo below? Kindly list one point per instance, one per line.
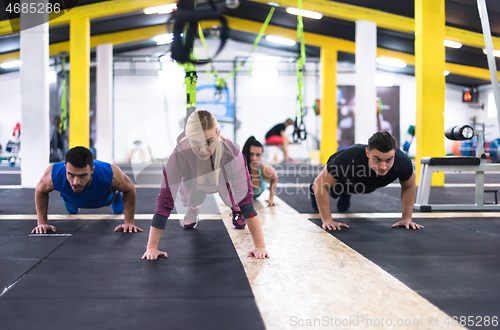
(454, 164)
(273, 154)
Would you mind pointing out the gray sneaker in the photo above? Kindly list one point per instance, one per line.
(191, 218)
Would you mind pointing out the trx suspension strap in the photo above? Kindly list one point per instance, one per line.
(186, 19)
(299, 131)
(64, 113)
(190, 82)
(220, 83)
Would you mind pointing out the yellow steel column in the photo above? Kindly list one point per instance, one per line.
(79, 95)
(328, 144)
(429, 67)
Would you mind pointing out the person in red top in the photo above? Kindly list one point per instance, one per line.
(277, 136)
(204, 162)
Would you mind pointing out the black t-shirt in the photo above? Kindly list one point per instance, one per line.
(276, 130)
(350, 167)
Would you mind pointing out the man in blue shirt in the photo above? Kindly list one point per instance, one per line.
(85, 183)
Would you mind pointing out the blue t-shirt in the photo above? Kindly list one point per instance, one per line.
(97, 194)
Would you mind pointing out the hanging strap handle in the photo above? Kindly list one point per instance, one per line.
(299, 131)
(183, 40)
(64, 101)
(190, 81)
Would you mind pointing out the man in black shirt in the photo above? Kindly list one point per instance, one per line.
(277, 136)
(361, 169)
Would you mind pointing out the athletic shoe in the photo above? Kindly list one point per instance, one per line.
(71, 209)
(239, 221)
(117, 205)
(313, 198)
(344, 203)
(191, 217)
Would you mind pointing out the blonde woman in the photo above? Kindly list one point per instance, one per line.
(204, 162)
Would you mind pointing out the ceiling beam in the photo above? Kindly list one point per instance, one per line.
(345, 45)
(328, 8)
(116, 38)
(312, 39)
(382, 19)
(12, 56)
(352, 13)
(93, 11)
(469, 71)
(124, 37)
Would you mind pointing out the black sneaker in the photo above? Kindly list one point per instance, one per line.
(313, 199)
(239, 221)
(344, 203)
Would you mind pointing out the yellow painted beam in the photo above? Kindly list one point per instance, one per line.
(79, 95)
(93, 11)
(116, 38)
(344, 45)
(124, 37)
(310, 38)
(328, 105)
(382, 19)
(352, 13)
(469, 71)
(252, 27)
(10, 26)
(109, 8)
(407, 58)
(328, 8)
(12, 56)
(60, 47)
(429, 67)
(469, 38)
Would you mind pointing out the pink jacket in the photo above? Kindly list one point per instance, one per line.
(235, 187)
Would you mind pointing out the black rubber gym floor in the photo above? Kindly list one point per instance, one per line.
(94, 278)
(22, 201)
(453, 263)
(90, 277)
(10, 179)
(385, 199)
